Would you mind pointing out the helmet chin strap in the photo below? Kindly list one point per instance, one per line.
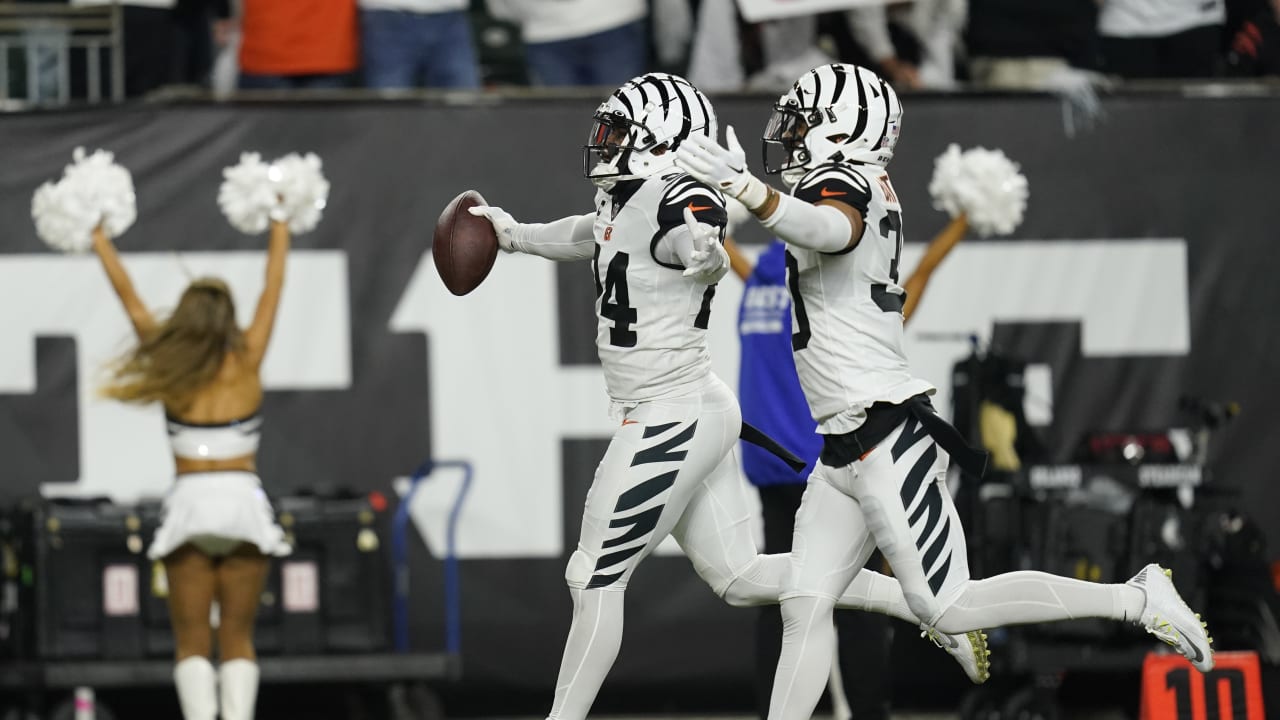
(604, 182)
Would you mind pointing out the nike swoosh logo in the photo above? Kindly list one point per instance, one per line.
(1199, 655)
(630, 422)
(830, 193)
(696, 208)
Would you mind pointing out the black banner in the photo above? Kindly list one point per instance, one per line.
(1145, 270)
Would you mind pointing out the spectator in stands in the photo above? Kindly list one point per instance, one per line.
(417, 43)
(935, 26)
(149, 38)
(1024, 45)
(193, 51)
(715, 64)
(1256, 47)
(218, 530)
(788, 47)
(297, 44)
(1162, 38)
(579, 42)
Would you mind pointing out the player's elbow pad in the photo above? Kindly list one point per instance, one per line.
(813, 227)
(569, 238)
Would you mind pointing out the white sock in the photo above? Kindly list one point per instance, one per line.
(238, 681)
(197, 685)
(1027, 596)
(595, 636)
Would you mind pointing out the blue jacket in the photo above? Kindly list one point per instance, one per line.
(768, 387)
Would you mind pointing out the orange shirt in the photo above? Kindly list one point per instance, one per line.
(298, 37)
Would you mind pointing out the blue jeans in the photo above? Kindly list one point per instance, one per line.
(250, 81)
(608, 58)
(403, 49)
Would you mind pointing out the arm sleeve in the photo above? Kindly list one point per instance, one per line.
(569, 238)
(817, 227)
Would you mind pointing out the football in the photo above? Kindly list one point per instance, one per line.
(464, 245)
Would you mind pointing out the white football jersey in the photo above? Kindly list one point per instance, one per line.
(847, 306)
(651, 330)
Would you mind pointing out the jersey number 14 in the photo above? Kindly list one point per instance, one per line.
(615, 300)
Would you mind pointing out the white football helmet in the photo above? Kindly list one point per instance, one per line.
(638, 127)
(833, 113)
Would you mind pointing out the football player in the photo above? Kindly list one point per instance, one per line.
(880, 478)
(655, 244)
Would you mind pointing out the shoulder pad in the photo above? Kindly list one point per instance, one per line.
(834, 181)
(684, 191)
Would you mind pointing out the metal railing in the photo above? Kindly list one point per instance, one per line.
(44, 34)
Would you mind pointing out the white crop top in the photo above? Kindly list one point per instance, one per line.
(215, 441)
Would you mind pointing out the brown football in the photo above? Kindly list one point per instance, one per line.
(464, 245)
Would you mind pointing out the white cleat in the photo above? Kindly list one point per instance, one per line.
(969, 649)
(1167, 617)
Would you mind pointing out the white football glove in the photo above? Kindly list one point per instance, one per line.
(709, 261)
(703, 158)
(504, 226)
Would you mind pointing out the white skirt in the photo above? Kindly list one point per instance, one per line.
(216, 511)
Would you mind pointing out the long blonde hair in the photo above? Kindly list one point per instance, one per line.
(183, 354)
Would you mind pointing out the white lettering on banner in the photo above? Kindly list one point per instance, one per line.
(123, 450)
(499, 396)
(1129, 296)
(757, 10)
(501, 400)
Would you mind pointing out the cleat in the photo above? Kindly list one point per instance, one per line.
(969, 649)
(1167, 617)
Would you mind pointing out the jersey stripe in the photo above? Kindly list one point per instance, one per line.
(832, 171)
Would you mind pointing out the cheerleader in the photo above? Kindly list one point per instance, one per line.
(218, 531)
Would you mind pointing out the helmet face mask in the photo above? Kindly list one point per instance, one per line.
(635, 128)
(784, 146)
(833, 113)
(614, 139)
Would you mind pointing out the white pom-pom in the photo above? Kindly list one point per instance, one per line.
(983, 184)
(248, 195)
(93, 191)
(291, 189)
(303, 190)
